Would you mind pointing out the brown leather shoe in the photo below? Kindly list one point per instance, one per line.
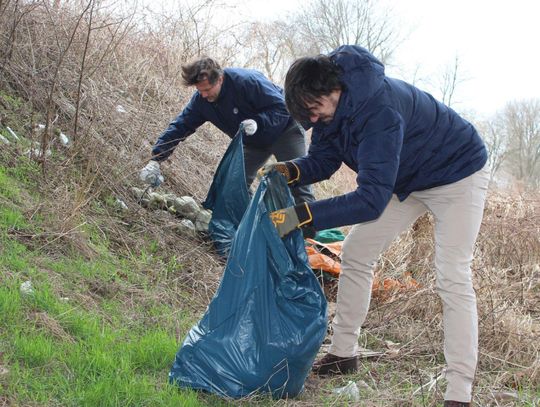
(334, 365)
(452, 403)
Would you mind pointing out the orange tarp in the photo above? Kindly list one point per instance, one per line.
(382, 289)
(387, 287)
(320, 261)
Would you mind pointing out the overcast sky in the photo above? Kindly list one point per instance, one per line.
(496, 42)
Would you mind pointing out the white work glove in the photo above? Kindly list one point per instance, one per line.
(249, 126)
(151, 174)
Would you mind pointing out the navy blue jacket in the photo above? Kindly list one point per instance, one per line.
(397, 138)
(245, 94)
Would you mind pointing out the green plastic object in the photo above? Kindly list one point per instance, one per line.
(329, 236)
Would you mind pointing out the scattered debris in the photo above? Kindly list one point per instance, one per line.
(393, 349)
(4, 140)
(431, 383)
(120, 109)
(194, 216)
(185, 227)
(27, 289)
(362, 384)
(362, 353)
(4, 371)
(368, 353)
(186, 207)
(121, 204)
(387, 289)
(203, 220)
(505, 395)
(66, 142)
(350, 390)
(12, 133)
(36, 152)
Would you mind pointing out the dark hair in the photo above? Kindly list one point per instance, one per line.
(200, 70)
(307, 80)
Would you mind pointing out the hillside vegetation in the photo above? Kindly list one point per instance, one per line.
(95, 299)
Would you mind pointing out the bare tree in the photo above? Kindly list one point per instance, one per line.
(494, 136)
(522, 128)
(63, 51)
(450, 80)
(319, 27)
(323, 25)
(270, 48)
(190, 30)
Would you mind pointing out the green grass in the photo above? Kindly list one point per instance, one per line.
(13, 101)
(59, 349)
(8, 188)
(77, 358)
(58, 353)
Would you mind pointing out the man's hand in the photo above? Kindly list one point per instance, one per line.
(288, 169)
(151, 174)
(288, 219)
(280, 167)
(249, 126)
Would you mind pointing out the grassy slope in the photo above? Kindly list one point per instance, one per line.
(92, 332)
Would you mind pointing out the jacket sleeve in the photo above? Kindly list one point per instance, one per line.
(179, 129)
(377, 155)
(319, 164)
(272, 116)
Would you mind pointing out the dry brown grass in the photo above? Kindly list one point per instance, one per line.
(75, 73)
(42, 52)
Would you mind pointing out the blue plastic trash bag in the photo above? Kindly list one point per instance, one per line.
(266, 323)
(228, 196)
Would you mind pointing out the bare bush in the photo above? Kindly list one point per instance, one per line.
(522, 132)
(109, 80)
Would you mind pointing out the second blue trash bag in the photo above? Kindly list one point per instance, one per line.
(228, 196)
(265, 324)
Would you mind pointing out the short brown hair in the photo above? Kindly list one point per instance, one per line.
(200, 70)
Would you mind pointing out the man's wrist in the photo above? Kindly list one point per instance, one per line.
(294, 172)
(304, 214)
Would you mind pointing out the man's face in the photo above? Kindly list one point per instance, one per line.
(324, 108)
(208, 91)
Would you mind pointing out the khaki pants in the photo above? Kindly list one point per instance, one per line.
(457, 209)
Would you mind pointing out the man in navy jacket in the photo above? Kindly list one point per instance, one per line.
(229, 98)
(412, 154)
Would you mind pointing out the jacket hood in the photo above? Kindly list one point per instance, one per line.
(362, 77)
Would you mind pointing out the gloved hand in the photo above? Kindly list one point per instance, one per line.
(249, 126)
(288, 219)
(151, 174)
(287, 168)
